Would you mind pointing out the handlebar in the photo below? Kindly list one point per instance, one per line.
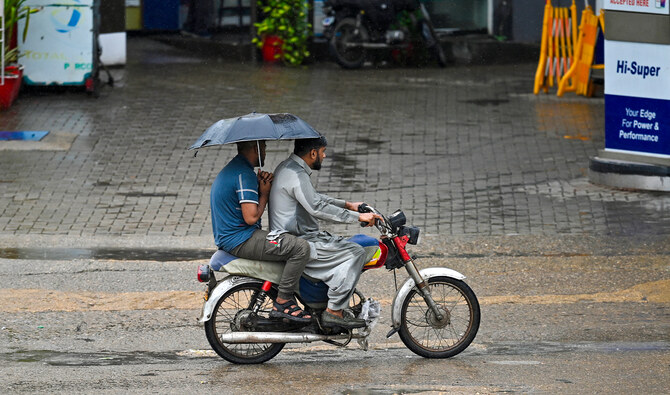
(366, 208)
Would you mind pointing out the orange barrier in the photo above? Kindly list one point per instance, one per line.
(559, 31)
(578, 78)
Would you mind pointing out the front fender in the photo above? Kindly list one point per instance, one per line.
(409, 284)
(221, 288)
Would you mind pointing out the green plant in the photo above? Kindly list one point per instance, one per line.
(286, 19)
(15, 10)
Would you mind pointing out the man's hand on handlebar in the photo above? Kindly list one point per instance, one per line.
(353, 206)
(369, 219)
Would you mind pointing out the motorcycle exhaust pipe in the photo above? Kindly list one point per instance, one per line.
(280, 337)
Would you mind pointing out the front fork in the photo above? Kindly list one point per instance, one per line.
(421, 284)
(424, 289)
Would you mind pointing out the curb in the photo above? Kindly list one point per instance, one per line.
(629, 175)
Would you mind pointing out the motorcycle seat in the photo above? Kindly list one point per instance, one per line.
(223, 261)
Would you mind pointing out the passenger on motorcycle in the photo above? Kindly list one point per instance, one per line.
(238, 199)
(296, 207)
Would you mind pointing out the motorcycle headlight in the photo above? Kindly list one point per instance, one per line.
(397, 219)
(412, 232)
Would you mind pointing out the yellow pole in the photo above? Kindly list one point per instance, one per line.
(570, 40)
(552, 22)
(573, 14)
(541, 67)
(564, 59)
(568, 83)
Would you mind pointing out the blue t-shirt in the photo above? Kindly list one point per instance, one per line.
(236, 184)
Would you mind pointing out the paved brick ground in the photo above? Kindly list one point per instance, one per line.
(464, 151)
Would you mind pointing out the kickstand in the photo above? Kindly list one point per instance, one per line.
(333, 342)
(110, 79)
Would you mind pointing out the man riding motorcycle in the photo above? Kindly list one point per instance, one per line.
(238, 199)
(295, 208)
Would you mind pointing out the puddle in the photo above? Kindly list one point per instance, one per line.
(119, 254)
(516, 363)
(486, 102)
(57, 358)
(544, 348)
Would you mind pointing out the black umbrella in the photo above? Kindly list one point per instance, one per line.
(255, 127)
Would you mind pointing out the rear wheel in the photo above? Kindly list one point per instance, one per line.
(433, 43)
(233, 314)
(440, 55)
(425, 334)
(344, 35)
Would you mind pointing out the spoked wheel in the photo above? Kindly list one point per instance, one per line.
(345, 34)
(425, 334)
(232, 314)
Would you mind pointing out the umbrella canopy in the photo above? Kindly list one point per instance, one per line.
(255, 126)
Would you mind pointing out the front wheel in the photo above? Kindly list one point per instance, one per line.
(233, 314)
(346, 43)
(425, 334)
(432, 42)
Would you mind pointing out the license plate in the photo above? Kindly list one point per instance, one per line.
(327, 21)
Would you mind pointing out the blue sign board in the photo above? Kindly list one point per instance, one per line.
(637, 98)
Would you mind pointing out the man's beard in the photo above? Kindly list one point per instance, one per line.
(317, 164)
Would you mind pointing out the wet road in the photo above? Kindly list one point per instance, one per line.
(568, 315)
(103, 224)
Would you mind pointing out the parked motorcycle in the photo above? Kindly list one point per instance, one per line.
(435, 312)
(355, 27)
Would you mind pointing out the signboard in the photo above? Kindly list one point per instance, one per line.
(59, 45)
(645, 6)
(637, 98)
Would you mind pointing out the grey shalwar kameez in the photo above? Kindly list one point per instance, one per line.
(295, 207)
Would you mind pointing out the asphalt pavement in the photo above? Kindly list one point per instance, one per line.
(103, 222)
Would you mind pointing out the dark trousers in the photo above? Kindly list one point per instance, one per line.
(293, 250)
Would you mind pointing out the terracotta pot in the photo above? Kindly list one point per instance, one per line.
(9, 91)
(271, 48)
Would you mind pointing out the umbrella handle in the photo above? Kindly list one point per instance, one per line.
(260, 162)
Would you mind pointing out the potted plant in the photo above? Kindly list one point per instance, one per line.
(284, 31)
(10, 81)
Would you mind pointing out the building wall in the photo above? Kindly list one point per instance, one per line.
(527, 16)
(113, 32)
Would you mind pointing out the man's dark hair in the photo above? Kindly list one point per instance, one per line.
(304, 146)
(245, 146)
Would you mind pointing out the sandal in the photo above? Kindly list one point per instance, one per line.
(290, 311)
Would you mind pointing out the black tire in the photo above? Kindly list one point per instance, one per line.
(433, 43)
(440, 55)
(238, 300)
(427, 337)
(345, 31)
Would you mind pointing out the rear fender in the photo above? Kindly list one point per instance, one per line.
(221, 288)
(409, 284)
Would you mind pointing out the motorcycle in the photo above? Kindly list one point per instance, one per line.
(354, 27)
(435, 313)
